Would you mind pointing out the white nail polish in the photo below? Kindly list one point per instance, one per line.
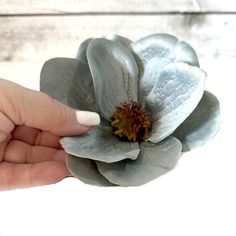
(87, 118)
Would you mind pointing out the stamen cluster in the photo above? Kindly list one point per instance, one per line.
(130, 121)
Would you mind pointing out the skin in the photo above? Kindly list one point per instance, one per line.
(31, 125)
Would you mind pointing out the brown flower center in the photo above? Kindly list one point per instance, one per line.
(130, 121)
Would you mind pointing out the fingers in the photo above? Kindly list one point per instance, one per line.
(14, 176)
(38, 110)
(36, 137)
(20, 152)
(6, 126)
(3, 146)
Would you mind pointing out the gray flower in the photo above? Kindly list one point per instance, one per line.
(150, 95)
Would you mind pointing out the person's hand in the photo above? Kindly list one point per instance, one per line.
(31, 125)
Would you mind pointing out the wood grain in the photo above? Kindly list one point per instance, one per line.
(29, 7)
(40, 38)
(34, 31)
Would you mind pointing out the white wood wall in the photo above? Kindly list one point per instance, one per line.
(34, 31)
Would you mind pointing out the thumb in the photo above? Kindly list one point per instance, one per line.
(38, 110)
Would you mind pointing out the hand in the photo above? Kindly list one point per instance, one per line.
(31, 125)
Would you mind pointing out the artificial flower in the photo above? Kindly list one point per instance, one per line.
(150, 96)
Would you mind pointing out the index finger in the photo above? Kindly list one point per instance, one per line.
(38, 110)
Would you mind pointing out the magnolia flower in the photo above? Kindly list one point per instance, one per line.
(150, 95)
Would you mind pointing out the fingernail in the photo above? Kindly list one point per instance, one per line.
(87, 118)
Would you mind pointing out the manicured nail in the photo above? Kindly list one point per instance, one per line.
(87, 118)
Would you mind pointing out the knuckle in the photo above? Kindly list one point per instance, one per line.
(11, 103)
(61, 114)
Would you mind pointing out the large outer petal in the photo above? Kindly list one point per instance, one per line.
(81, 54)
(100, 144)
(152, 54)
(185, 53)
(125, 42)
(56, 77)
(156, 45)
(154, 160)
(69, 81)
(156, 51)
(86, 170)
(115, 74)
(81, 94)
(202, 124)
(173, 98)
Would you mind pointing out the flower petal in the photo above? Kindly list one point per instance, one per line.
(202, 124)
(154, 160)
(81, 94)
(69, 81)
(100, 144)
(156, 45)
(86, 170)
(152, 53)
(114, 72)
(151, 73)
(56, 77)
(173, 98)
(185, 53)
(82, 50)
(156, 51)
(125, 42)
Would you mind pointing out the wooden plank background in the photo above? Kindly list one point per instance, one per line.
(112, 6)
(34, 31)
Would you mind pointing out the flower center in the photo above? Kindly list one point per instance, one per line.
(130, 121)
